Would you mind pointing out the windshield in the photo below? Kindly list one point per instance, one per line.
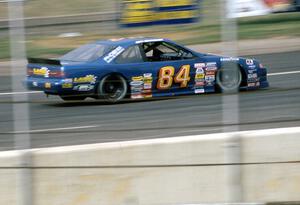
(89, 52)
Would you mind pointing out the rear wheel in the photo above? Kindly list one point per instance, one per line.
(228, 80)
(112, 88)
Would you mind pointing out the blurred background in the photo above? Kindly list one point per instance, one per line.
(54, 27)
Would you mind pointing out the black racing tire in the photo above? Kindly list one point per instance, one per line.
(228, 80)
(112, 88)
(72, 98)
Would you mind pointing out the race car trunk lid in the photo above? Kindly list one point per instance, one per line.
(45, 68)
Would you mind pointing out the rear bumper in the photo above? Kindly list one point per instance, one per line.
(54, 86)
(47, 85)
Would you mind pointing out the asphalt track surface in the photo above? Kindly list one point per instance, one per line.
(56, 123)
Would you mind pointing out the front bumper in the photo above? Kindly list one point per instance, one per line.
(263, 79)
(260, 82)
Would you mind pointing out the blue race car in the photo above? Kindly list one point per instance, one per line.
(139, 68)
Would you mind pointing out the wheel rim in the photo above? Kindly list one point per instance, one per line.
(113, 88)
(229, 79)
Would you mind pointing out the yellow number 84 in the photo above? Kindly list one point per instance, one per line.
(165, 78)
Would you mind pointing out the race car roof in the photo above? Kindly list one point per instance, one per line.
(129, 41)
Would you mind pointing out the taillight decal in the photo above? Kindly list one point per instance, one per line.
(56, 74)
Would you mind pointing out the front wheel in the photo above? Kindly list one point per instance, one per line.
(228, 80)
(112, 88)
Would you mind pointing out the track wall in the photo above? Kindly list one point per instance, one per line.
(181, 170)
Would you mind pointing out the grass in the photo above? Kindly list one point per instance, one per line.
(206, 31)
(270, 26)
(4, 48)
(43, 8)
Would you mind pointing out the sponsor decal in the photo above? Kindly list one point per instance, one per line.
(251, 71)
(86, 79)
(35, 84)
(136, 92)
(149, 40)
(200, 80)
(148, 95)
(141, 86)
(136, 96)
(252, 80)
(113, 54)
(47, 85)
(148, 86)
(252, 66)
(211, 64)
(67, 85)
(198, 91)
(199, 84)
(249, 62)
(136, 89)
(136, 83)
(199, 65)
(137, 78)
(149, 81)
(147, 91)
(251, 84)
(199, 71)
(211, 68)
(209, 72)
(68, 80)
(136, 13)
(199, 76)
(148, 75)
(229, 59)
(209, 78)
(41, 72)
(254, 75)
(85, 87)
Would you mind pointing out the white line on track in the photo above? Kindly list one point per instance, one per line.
(169, 134)
(36, 92)
(21, 93)
(284, 73)
(57, 129)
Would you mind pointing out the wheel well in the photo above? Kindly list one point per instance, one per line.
(243, 72)
(243, 75)
(113, 74)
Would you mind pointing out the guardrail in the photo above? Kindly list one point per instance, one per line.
(179, 170)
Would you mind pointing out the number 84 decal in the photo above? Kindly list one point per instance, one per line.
(166, 77)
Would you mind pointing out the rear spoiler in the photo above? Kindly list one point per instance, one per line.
(44, 61)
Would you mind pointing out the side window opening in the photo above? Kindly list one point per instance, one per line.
(162, 51)
(130, 55)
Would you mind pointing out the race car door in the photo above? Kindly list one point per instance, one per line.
(173, 67)
(158, 69)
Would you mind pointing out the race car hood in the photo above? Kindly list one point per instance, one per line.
(244, 62)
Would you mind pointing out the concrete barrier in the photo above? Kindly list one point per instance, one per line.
(179, 170)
